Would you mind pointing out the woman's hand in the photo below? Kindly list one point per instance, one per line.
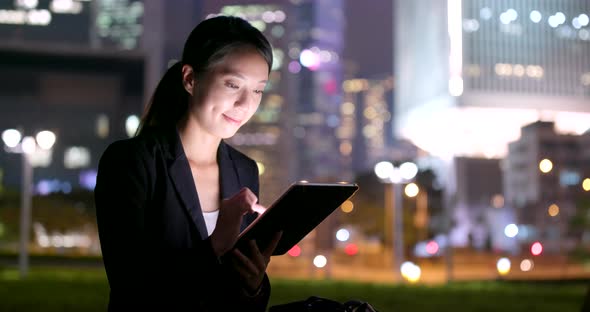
(228, 224)
(251, 269)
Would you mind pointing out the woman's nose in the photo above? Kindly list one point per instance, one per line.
(244, 100)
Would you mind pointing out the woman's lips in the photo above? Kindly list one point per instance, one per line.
(232, 120)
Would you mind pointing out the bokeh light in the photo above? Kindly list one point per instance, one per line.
(545, 165)
(553, 210)
(320, 261)
(536, 249)
(410, 271)
(261, 168)
(294, 67)
(295, 251)
(351, 249)
(342, 235)
(347, 206)
(309, 59)
(412, 190)
(503, 266)
(29, 145)
(432, 247)
(511, 230)
(586, 184)
(535, 16)
(11, 137)
(526, 265)
(408, 170)
(45, 139)
(384, 169)
(131, 125)
(280, 16)
(485, 13)
(498, 201)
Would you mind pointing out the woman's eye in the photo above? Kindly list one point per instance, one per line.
(259, 91)
(231, 85)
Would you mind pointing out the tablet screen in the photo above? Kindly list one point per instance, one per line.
(297, 212)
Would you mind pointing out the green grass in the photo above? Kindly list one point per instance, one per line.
(87, 290)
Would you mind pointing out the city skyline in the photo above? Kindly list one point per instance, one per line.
(479, 94)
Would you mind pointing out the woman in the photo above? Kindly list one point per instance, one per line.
(171, 201)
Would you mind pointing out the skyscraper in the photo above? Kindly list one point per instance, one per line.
(365, 128)
(471, 73)
(318, 47)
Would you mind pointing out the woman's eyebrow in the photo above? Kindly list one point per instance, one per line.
(236, 74)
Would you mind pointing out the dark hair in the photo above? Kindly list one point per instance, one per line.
(208, 43)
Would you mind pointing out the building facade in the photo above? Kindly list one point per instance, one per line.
(471, 73)
(544, 174)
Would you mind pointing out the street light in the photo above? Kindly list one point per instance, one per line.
(26, 146)
(394, 177)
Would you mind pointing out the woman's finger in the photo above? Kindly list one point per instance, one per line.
(251, 198)
(244, 263)
(257, 258)
(249, 201)
(259, 208)
(270, 248)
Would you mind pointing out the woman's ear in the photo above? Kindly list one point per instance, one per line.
(188, 78)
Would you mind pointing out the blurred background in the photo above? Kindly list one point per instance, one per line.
(464, 122)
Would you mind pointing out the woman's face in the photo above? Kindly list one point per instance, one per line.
(228, 95)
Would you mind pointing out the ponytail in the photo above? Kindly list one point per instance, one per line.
(169, 102)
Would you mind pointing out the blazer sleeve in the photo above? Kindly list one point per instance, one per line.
(121, 194)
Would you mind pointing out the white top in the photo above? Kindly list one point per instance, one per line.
(210, 220)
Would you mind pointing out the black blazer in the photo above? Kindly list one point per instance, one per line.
(152, 232)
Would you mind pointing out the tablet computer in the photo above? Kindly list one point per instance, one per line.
(297, 212)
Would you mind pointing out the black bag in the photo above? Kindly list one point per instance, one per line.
(313, 304)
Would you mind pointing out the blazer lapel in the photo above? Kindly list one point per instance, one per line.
(182, 179)
(230, 177)
(180, 173)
